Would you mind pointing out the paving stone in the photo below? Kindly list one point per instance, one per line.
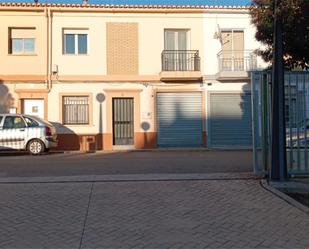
(194, 214)
(155, 214)
(42, 215)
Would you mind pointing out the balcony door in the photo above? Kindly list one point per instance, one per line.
(176, 44)
(232, 50)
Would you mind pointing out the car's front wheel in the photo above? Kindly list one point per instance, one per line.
(36, 147)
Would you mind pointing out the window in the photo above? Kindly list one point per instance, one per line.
(232, 40)
(75, 110)
(30, 122)
(22, 41)
(176, 57)
(12, 122)
(75, 41)
(176, 39)
(1, 119)
(232, 54)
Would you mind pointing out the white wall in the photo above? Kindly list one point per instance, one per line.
(212, 46)
(151, 39)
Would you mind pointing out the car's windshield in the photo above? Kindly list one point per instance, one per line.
(31, 122)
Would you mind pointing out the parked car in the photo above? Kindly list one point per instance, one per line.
(25, 132)
(298, 136)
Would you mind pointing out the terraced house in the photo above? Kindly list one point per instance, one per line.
(112, 76)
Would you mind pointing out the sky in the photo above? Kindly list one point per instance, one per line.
(162, 2)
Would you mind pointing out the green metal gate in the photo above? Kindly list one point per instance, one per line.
(296, 121)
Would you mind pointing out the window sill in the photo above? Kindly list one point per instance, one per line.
(75, 54)
(22, 54)
(78, 125)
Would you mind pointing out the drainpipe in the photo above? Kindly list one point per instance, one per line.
(47, 37)
(49, 48)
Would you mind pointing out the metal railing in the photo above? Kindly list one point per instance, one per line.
(180, 60)
(236, 60)
(296, 121)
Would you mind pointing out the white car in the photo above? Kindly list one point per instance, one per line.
(24, 132)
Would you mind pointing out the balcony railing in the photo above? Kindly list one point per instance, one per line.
(237, 61)
(180, 60)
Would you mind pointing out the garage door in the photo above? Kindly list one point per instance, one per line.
(229, 122)
(179, 119)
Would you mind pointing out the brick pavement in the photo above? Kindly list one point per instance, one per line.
(150, 214)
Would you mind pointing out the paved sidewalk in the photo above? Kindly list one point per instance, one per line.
(150, 214)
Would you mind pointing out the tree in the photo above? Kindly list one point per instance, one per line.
(295, 17)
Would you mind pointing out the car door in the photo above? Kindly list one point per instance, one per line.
(13, 133)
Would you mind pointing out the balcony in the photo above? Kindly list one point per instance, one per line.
(180, 65)
(235, 65)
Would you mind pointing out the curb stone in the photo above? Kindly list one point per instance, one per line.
(131, 177)
(285, 197)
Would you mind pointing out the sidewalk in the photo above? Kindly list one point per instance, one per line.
(160, 212)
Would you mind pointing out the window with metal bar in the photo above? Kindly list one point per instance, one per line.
(75, 110)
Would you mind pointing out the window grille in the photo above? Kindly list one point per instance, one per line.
(76, 110)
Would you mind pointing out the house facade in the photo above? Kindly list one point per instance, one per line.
(130, 77)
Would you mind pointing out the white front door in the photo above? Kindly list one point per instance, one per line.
(34, 107)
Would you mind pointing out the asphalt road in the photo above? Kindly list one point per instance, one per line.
(133, 162)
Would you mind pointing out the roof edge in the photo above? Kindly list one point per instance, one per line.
(121, 6)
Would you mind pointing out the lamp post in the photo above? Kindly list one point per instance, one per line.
(278, 143)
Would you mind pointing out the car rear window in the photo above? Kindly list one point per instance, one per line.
(42, 121)
(31, 122)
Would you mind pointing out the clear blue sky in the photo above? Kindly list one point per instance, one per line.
(163, 2)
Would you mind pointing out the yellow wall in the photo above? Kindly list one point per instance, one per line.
(23, 64)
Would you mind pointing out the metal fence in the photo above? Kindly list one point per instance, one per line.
(235, 61)
(296, 121)
(180, 60)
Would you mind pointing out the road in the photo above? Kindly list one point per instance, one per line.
(134, 162)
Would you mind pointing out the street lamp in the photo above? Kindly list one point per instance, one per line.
(278, 142)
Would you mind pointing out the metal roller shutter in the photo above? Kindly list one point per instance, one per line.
(230, 120)
(179, 119)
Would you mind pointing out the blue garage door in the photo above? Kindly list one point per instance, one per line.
(229, 120)
(179, 119)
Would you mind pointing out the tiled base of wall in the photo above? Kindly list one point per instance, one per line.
(94, 142)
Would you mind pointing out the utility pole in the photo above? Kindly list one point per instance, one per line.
(278, 143)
